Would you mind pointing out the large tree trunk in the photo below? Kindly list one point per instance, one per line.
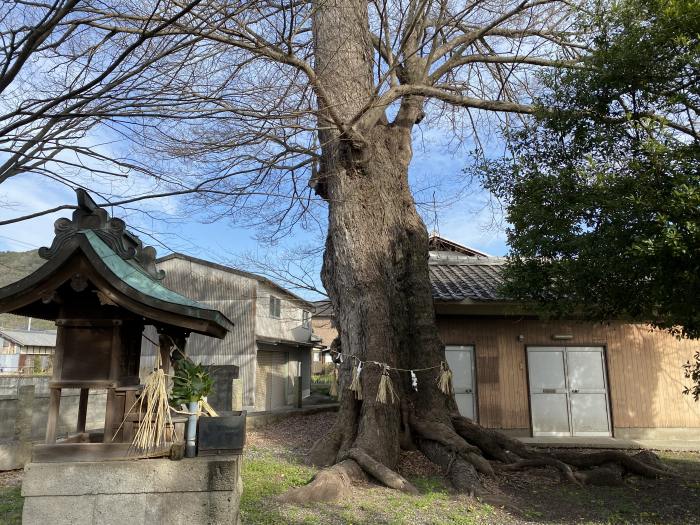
(376, 261)
(376, 273)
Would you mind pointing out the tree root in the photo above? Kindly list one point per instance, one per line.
(463, 450)
(492, 443)
(328, 485)
(381, 472)
(597, 468)
(461, 473)
(609, 474)
(435, 431)
(595, 459)
(563, 468)
(323, 453)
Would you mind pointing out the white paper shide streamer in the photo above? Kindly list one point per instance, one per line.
(355, 384)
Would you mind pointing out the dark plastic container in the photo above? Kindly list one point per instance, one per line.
(224, 434)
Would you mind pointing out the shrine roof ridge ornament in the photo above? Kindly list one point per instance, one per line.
(111, 230)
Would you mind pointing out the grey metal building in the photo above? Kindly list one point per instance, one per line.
(270, 344)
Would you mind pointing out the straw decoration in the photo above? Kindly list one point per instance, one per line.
(444, 379)
(155, 411)
(334, 383)
(355, 384)
(206, 408)
(386, 391)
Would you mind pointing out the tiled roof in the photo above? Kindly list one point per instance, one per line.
(26, 338)
(465, 278)
(454, 278)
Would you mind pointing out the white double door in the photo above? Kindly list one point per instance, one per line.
(461, 362)
(568, 391)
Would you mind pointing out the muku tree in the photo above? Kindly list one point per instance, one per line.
(275, 102)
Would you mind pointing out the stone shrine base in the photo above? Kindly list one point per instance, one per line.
(203, 490)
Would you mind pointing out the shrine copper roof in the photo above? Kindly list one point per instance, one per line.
(94, 248)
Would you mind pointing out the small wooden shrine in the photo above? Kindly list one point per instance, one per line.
(101, 287)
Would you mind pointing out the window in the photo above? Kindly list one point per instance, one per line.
(275, 307)
(305, 319)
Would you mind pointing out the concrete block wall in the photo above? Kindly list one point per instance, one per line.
(196, 491)
(68, 414)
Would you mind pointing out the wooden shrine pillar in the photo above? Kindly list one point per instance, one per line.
(55, 392)
(112, 412)
(82, 409)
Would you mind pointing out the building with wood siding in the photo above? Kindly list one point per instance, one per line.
(270, 344)
(536, 377)
(26, 351)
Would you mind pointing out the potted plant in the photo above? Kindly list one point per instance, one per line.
(217, 434)
(191, 385)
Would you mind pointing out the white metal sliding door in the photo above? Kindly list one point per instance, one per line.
(568, 391)
(548, 393)
(461, 362)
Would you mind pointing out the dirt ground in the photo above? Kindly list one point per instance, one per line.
(275, 460)
(533, 497)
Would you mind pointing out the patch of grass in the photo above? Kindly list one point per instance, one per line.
(10, 506)
(321, 379)
(266, 475)
(536, 499)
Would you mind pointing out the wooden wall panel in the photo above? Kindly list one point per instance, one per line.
(645, 372)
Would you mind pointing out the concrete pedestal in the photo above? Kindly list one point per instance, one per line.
(149, 491)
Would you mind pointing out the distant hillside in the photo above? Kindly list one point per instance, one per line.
(14, 266)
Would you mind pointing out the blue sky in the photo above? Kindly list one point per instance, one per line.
(463, 214)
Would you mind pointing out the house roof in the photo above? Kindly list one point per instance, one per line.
(29, 338)
(236, 271)
(437, 243)
(454, 278)
(466, 278)
(323, 308)
(275, 341)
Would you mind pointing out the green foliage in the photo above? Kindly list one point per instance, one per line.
(322, 379)
(13, 267)
(190, 383)
(603, 190)
(692, 372)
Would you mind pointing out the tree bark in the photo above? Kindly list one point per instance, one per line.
(376, 261)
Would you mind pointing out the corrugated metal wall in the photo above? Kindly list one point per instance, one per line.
(231, 294)
(272, 378)
(289, 325)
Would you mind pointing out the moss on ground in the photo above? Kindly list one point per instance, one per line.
(10, 506)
